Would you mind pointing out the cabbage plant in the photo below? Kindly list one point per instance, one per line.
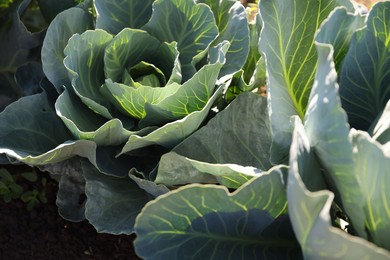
(134, 117)
(127, 81)
(302, 173)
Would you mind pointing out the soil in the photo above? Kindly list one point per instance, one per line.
(42, 234)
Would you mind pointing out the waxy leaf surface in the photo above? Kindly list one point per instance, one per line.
(206, 222)
(112, 203)
(64, 25)
(27, 133)
(364, 79)
(115, 15)
(230, 149)
(287, 43)
(330, 137)
(310, 212)
(191, 25)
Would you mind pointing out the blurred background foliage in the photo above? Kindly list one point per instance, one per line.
(23, 25)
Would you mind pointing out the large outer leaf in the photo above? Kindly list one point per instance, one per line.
(115, 15)
(28, 77)
(287, 43)
(112, 203)
(26, 133)
(346, 24)
(175, 169)
(152, 188)
(206, 222)
(191, 25)
(372, 168)
(70, 189)
(309, 213)
(354, 169)
(107, 160)
(365, 74)
(302, 154)
(327, 130)
(71, 186)
(67, 23)
(240, 134)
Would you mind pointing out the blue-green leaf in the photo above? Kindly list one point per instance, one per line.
(115, 15)
(347, 159)
(191, 104)
(152, 188)
(133, 101)
(287, 43)
(112, 202)
(27, 135)
(175, 169)
(67, 23)
(71, 186)
(240, 134)
(85, 124)
(365, 74)
(346, 23)
(127, 49)
(371, 170)
(108, 161)
(328, 133)
(346, 162)
(191, 25)
(134, 55)
(309, 213)
(236, 137)
(230, 17)
(207, 222)
(28, 77)
(84, 62)
(192, 96)
(381, 130)
(171, 134)
(303, 155)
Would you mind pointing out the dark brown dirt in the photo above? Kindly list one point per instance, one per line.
(42, 234)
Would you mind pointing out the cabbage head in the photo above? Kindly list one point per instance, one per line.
(127, 80)
(129, 77)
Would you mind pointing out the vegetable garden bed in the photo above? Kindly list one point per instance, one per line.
(207, 129)
(41, 233)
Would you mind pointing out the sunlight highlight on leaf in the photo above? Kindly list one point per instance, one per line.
(207, 222)
(287, 43)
